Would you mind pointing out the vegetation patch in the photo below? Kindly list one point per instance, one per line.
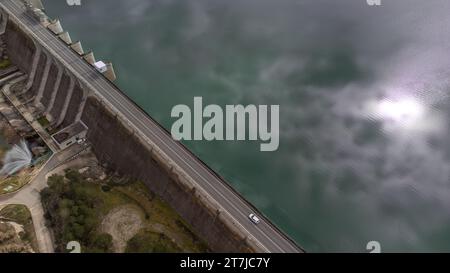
(5, 63)
(115, 215)
(148, 241)
(43, 121)
(17, 234)
(14, 183)
(73, 209)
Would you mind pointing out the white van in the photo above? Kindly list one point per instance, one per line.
(100, 66)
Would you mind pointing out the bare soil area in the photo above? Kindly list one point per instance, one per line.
(122, 223)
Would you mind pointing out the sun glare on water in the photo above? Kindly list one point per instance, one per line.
(404, 114)
(403, 111)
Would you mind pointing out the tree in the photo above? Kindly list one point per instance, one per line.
(102, 242)
(56, 183)
(77, 230)
(73, 176)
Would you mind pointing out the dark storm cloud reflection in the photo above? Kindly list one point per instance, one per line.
(364, 95)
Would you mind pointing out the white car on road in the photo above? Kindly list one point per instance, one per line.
(255, 219)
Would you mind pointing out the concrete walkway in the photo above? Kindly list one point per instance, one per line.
(29, 196)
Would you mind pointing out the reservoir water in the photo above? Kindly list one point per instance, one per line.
(364, 104)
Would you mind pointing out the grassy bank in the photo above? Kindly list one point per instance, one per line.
(113, 216)
(20, 215)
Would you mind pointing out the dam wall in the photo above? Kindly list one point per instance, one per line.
(64, 100)
(23, 48)
(138, 161)
(52, 86)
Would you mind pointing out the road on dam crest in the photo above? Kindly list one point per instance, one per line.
(266, 235)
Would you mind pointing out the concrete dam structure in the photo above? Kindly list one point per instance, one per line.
(63, 86)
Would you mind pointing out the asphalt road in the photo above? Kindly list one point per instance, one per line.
(265, 234)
